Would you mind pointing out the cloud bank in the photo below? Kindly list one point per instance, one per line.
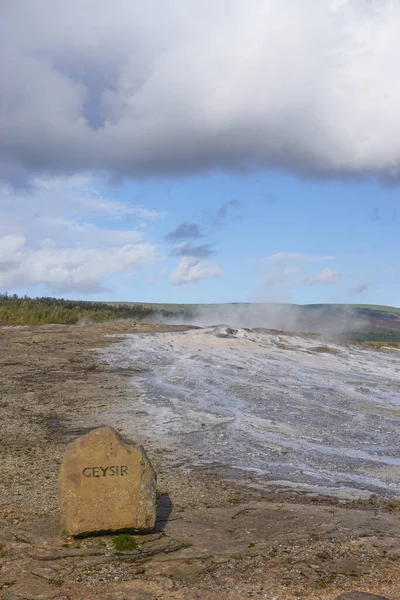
(166, 88)
(193, 270)
(49, 236)
(192, 266)
(283, 271)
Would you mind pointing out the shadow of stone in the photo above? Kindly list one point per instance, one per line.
(164, 509)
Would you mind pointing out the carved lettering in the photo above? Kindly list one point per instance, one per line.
(110, 470)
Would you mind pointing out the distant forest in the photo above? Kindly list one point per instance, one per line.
(15, 310)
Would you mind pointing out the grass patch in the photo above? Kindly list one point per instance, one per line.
(393, 505)
(124, 542)
(324, 350)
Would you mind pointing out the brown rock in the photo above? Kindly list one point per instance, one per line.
(106, 484)
(360, 596)
(31, 588)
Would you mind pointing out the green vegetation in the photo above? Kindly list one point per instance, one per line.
(353, 322)
(57, 582)
(357, 322)
(125, 542)
(324, 350)
(41, 311)
(378, 345)
(88, 569)
(388, 337)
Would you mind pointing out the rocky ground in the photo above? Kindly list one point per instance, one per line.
(214, 539)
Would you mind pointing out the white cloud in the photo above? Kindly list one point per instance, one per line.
(306, 86)
(190, 270)
(58, 199)
(49, 236)
(283, 266)
(287, 257)
(66, 269)
(325, 277)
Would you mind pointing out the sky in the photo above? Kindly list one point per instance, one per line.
(222, 151)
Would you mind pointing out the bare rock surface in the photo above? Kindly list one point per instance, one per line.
(260, 524)
(251, 549)
(106, 485)
(215, 538)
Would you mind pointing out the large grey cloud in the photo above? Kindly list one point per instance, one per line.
(174, 87)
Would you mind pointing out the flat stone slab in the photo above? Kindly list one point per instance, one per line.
(105, 485)
(251, 547)
(360, 596)
(230, 530)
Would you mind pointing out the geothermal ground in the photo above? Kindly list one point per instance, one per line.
(224, 415)
(283, 409)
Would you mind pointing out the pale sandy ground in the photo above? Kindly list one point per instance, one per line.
(215, 539)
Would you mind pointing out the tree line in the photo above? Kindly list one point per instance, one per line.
(16, 310)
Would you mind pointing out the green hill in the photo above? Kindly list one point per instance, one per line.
(361, 322)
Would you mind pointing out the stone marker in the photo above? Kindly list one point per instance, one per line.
(106, 484)
(360, 596)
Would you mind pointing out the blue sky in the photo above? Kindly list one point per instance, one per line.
(269, 238)
(354, 223)
(206, 156)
